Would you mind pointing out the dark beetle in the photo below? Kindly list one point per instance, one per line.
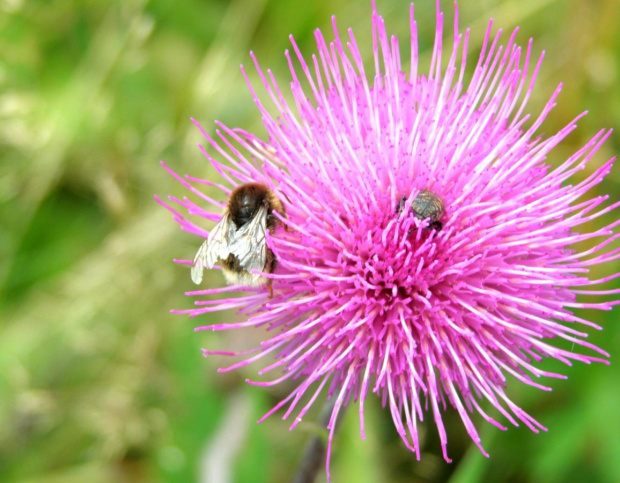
(426, 205)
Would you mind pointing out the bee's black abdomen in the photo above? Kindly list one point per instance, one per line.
(232, 264)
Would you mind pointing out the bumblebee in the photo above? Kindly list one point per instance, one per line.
(426, 205)
(238, 240)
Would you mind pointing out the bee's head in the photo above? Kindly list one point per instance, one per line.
(245, 201)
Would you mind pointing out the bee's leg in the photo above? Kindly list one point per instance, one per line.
(270, 266)
(273, 221)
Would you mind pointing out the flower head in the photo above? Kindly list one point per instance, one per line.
(368, 295)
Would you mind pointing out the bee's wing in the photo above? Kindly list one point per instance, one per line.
(249, 244)
(214, 248)
(199, 264)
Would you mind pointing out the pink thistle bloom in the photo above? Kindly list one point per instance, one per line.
(367, 297)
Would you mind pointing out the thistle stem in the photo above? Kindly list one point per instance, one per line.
(310, 464)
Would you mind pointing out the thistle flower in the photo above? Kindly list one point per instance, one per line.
(368, 297)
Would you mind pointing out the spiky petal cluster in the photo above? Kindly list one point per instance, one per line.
(366, 299)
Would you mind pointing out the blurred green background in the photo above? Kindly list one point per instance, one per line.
(98, 382)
